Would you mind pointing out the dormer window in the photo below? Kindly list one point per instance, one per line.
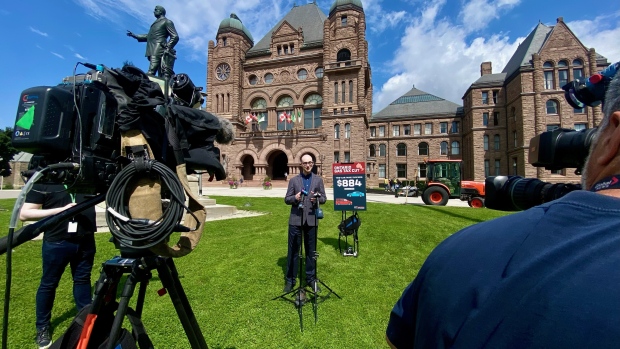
(224, 41)
(292, 48)
(285, 49)
(279, 50)
(343, 21)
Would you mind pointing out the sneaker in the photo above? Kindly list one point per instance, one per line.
(314, 286)
(44, 338)
(288, 287)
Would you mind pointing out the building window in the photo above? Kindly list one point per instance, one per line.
(224, 41)
(495, 97)
(549, 83)
(563, 73)
(401, 149)
(312, 118)
(423, 148)
(455, 127)
(485, 141)
(443, 148)
(343, 93)
(350, 91)
(302, 74)
(337, 131)
(382, 171)
(514, 166)
(253, 80)
(347, 131)
(407, 130)
(318, 72)
(579, 110)
(496, 141)
(381, 149)
(279, 50)
(485, 97)
(268, 78)
(417, 129)
(552, 107)
(496, 118)
(552, 127)
(343, 55)
(428, 128)
(485, 119)
(286, 49)
(497, 163)
(556, 172)
(372, 150)
(373, 131)
(421, 170)
(395, 131)
(514, 136)
(292, 48)
(577, 68)
(343, 21)
(443, 127)
(455, 148)
(486, 168)
(381, 131)
(336, 156)
(335, 92)
(347, 156)
(579, 127)
(401, 170)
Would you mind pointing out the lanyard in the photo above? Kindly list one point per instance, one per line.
(72, 195)
(612, 182)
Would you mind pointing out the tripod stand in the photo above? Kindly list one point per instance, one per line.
(139, 271)
(299, 293)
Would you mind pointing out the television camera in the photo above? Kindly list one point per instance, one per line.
(553, 150)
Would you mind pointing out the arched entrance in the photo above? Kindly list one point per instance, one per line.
(248, 168)
(278, 164)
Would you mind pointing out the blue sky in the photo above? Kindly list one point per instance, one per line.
(437, 45)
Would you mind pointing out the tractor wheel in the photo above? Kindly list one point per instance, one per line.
(436, 196)
(476, 202)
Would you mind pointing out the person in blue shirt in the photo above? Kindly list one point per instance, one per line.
(547, 277)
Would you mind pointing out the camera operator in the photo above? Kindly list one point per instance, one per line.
(71, 243)
(302, 194)
(547, 277)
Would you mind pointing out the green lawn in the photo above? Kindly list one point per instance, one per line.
(239, 266)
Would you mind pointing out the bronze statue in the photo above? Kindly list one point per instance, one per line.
(156, 45)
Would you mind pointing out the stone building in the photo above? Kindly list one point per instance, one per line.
(503, 111)
(304, 88)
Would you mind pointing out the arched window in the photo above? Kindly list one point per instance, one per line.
(455, 148)
(347, 131)
(312, 111)
(485, 142)
(563, 73)
(337, 131)
(373, 150)
(350, 91)
(423, 148)
(577, 68)
(443, 148)
(401, 149)
(259, 109)
(343, 55)
(549, 83)
(552, 106)
(381, 149)
(285, 112)
(496, 141)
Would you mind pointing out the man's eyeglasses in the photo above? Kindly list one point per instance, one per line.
(307, 163)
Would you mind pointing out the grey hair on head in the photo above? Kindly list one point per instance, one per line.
(611, 103)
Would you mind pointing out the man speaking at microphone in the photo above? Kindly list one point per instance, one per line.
(302, 196)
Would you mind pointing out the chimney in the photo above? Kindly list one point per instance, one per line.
(560, 19)
(486, 68)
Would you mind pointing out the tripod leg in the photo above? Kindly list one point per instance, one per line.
(170, 279)
(123, 304)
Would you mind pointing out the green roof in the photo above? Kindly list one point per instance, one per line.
(338, 3)
(416, 99)
(234, 23)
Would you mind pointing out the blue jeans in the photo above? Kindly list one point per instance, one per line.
(292, 260)
(56, 256)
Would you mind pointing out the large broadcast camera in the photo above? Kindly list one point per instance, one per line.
(553, 150)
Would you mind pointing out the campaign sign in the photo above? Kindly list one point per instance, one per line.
(349, 186)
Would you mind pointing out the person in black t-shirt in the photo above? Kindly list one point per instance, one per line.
(70, 243)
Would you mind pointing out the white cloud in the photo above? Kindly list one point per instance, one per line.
(36, 31)
(378, 19)
(79, 56)
(440, 57)
(601, 33)
(476, 14)
(57, 55)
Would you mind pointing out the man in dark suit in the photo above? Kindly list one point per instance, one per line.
(156, 38)
(303, 220)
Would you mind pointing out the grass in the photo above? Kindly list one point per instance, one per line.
(238, 268)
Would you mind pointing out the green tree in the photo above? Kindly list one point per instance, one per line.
(7, 151)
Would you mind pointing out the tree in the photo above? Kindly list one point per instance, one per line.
(7, 151)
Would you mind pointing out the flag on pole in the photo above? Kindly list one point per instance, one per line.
(262, 118)
(282, 117)
(299, 114)
(254, 117)
(288, 117)
(293, 117)
(248, 119)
